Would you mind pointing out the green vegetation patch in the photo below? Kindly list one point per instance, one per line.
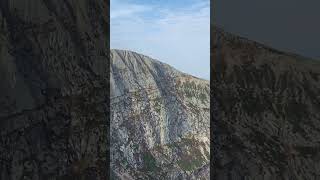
(149, 162)
(203, 97)
(135, 147)
(124, 162)
(157, 105)
(191, 157)
(189, 88)
(191, 161)
(194, 109)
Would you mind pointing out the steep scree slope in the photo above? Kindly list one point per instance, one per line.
(159, 120)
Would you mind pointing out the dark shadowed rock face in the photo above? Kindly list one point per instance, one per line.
(159, 120)
(53, 76)
(267, 112)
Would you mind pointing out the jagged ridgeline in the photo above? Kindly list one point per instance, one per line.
(267, 119)
(53, 89)
(159, 120)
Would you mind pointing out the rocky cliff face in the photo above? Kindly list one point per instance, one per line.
(266, 107)
(53, 102)
(159, 120)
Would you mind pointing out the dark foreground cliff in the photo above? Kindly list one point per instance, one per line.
(53, 89)
(159, 120)
(266, 104)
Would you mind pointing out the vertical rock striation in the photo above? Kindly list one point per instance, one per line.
(159, 120)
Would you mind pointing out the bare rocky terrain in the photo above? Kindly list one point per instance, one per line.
(266, 119)
(159, 120)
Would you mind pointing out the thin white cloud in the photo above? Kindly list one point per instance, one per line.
(177, 36)
(129, 10)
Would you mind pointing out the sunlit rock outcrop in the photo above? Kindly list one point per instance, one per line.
(159, 120)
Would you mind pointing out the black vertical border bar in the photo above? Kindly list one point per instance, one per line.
(212, 76)
(214, 80)
(107, 30)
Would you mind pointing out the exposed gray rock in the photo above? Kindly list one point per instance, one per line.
(159, 120)
(267, 111)
(53, 76)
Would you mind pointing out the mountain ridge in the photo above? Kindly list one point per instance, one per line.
(157, 112)
(126, 51)
(222, 32)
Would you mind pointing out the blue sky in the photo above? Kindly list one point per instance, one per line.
(176, 32)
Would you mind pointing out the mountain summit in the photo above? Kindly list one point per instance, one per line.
(159, 120)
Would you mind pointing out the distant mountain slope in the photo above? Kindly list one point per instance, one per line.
(159, 120)
(53, 89)
(266, 111)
